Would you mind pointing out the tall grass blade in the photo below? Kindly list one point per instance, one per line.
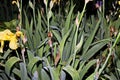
(10, 63)
(73, 73)
(93, 50)
(68, 21)
(86, 68)
(53, 73)
(32, 62)
(45, 75)
(62, 43)
(90, 38)
(23, 71)
(17, 72)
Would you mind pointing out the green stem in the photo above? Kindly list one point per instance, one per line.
(46, 14)
(80, 19)
(103, 8)
(20, 13)
(17, 54)
(34, 13)
(82, 13)
(48, 24)
(104, 65)
(100, 71)
(116, 40)
(23, 58)
(75, 47)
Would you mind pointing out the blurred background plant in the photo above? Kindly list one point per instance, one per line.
(62, 40)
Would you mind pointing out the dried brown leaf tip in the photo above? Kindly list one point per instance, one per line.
(50, 43)
(57, 58)
(50, 34)
(77, 22)
(24, 39)
(50, 39)
(17, 28)
(113, 31)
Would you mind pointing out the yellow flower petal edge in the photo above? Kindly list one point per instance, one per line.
(1, 47)
(15, 2)
(119, 2)
(19, 34)
(7, 35)
(56, 1)
(13, 43)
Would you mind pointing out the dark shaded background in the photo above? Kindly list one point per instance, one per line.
(8, 11)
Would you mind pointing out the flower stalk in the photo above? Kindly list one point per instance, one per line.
(110, 52)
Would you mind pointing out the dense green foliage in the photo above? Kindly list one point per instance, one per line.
(61, 46)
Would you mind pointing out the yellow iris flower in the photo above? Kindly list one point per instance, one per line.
(119, 2)
(7, 35)
(56, 1)
(15, 2)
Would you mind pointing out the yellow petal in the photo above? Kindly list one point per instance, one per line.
(13, 43)
(6, 35)
(119, 2)
(15, 2)
(19, 33)
(8, 32)
(1, 47)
